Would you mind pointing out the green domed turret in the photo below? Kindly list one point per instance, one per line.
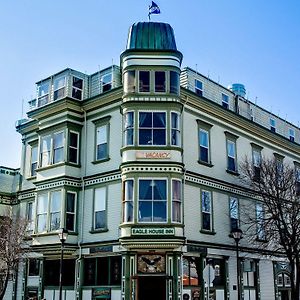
(151, 36)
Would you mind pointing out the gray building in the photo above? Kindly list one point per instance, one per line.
(140, 163)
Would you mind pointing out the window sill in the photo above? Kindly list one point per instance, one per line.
(100, 160)
(49, 233)
(31, 178)
(204, 163)
(98, 230)
(235, 173)
(75, 165)
(208, 232)
(51, 166)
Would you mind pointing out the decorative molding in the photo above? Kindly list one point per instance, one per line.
(215, 185)
(102, 179)
(26, 196)
(58, 184)
(152, 169)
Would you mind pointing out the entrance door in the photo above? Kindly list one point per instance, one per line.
(151, 288)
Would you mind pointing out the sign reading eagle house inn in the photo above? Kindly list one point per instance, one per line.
(152, 231)
(153, 154)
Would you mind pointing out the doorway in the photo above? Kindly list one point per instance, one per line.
(152, 288)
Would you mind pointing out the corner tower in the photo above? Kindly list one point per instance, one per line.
(152, 169)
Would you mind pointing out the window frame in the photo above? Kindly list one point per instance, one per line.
(152, 179)
(152, 128)
(198, 90)
(106, 84)
(57, 78)
(76, 88)
(54, 148)
(256, 160)
(105, 227)
(174, 89)
(232, 214)
(260, 232)
(30, 217)
(155, 86)
(40, 96)
(292, 134)
(73, 147)
(174, 201)
(177, 129)
(144, 90)
(128, 88)
(210, 212)
(225, 101)
(128, 201)
(32, 171)
(204, 127)
(231, 139)
(126, 129)
(272, 124)
(103, 122)
(73, 213)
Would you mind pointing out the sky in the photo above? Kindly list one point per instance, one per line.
(253, 42)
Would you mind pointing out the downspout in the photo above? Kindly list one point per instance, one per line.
(80, 241)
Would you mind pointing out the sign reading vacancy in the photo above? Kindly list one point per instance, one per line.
(152, 231)
(153, 154)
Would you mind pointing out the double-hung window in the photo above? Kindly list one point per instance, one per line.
(206, 210)
(231, 152)
(55, 210)
(225, 101)
(70, 211)
(152, 202)
(144, 81)
(43, 93)
(106, 81)
(29, 217)
(152, 128)
(128, 201)
(203, 145)
(256, 160)
(59, 87)
(100, 214)
(102, 142)
(234, 212)
(198, 87)
(45, 151)
(58, 147)
(272, 125)
(73, 147)
(77, 88)
(175, 129)
(260, 222)
(128, 128)
(176, 201)
(160, 82)
(292, 134)
(42, 212)
(34, 160)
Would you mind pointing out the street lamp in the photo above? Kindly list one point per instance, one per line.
(237, 235)
(63, 234)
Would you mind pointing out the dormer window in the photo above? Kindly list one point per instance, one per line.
(198, 87)
(59, 87)
(106, 81)
(272, 125)
(225, 101)
(77, 87)
(292, 135)
(43, 94)
(160, 82)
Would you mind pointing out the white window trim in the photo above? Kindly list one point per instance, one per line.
(124, 201)
(181, 196)
(125, 129)
(176, 129)
(75, 209)
(105, 188)
(63, 87)
(197, 88)
(73, 87)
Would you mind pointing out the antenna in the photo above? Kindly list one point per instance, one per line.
(256, 100)
(197, 68)
(208, 74)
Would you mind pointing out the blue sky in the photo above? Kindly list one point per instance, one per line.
(253, 42)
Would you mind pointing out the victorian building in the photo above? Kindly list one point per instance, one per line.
(140, 163)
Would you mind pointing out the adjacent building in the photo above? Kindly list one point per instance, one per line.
(140, 163)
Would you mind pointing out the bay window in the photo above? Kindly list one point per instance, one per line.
(174, 82)
(42, 211)
(45, 151)
(70, 211)
(55, 210)
(152, 200)
(73, 147)
(152, 128)
(58, 147)
(129, 81)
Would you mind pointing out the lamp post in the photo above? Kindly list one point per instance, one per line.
(63, 234)
(237, 235)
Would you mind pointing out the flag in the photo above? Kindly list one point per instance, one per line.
(153, 9)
